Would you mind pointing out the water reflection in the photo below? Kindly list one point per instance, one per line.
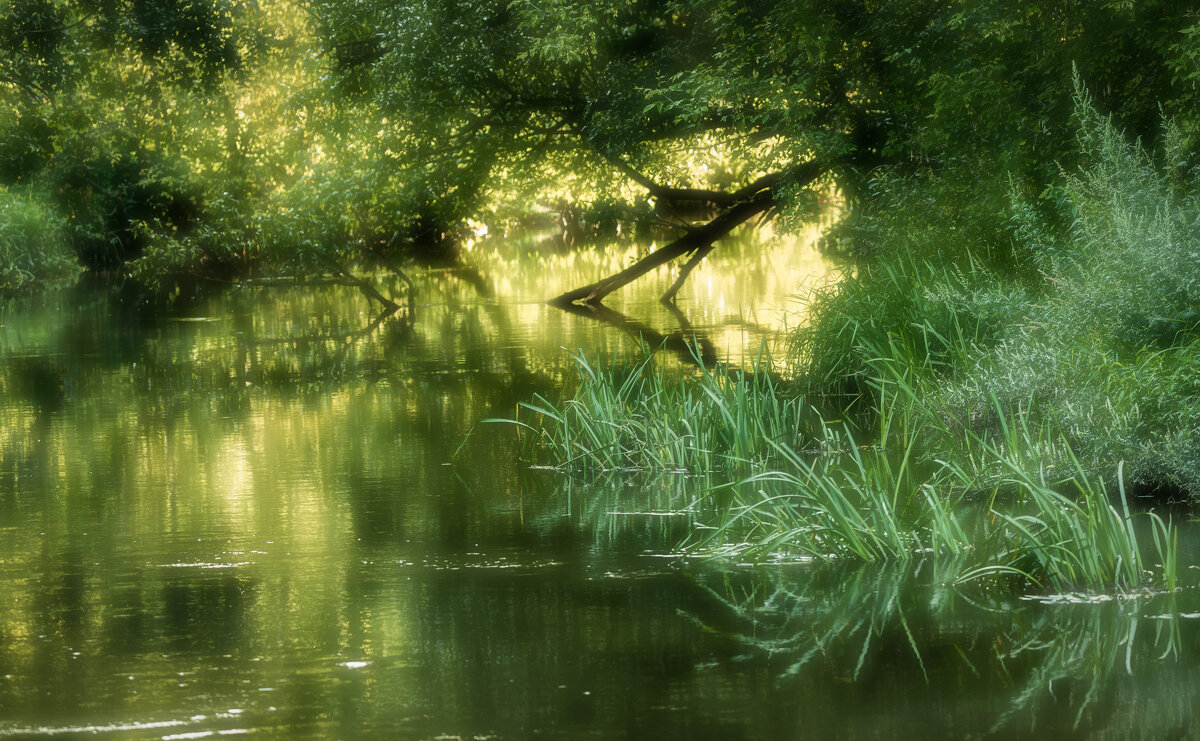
(687, 343)
(993, 664)
(242, 518)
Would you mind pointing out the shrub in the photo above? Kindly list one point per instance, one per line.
(1107, 352)
(33, 242)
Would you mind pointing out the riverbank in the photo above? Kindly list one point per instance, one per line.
(1033, 406)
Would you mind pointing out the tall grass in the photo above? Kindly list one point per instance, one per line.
(1108, 349)
(33, 242)
(775, 493)
(1082, 313)
(646, 418)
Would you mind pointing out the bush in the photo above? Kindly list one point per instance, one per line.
(1108, 351)
(33, 242)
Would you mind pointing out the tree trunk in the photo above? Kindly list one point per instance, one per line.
(695, 239)
(747, 203)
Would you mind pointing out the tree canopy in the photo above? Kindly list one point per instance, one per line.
(743, 106)
(226, 139)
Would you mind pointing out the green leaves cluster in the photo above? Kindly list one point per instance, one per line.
(133, 119)
(32, 243)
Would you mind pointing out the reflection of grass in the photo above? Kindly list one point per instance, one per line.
(1084, 652)
(836, 615)
(1056, 666)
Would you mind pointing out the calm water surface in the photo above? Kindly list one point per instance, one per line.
(257, 516)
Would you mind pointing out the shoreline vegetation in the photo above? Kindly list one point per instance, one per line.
(1014, 424)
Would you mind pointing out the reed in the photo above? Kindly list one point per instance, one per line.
(997, 508)
(645, 418)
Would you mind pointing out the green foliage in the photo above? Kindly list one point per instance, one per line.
(422, 115)
(928, 294)
(295, 232)
(1006, 416)
(1108, 350)
(33, 242)
(992, 513)
(480, 90)
(136, 117)
(109, 187)
(1080, 315)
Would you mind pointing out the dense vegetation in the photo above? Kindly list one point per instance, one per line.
(1017, 324)
(1012, 421)
(223, 140)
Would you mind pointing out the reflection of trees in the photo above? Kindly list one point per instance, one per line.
(250, 500)
(576, 652)
(690, 345)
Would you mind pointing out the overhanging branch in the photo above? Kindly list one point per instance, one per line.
(753, 200)
(701, 195)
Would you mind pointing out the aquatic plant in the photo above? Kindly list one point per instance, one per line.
(999, 402)
(645, 417)
(773, 493)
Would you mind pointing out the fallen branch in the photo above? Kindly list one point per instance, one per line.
(756, 198)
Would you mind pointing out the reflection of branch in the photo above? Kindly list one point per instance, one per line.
(290, 281)
(750, 327)
(344, 277)
(369, 290)
(406, 323)
(691, 347)
(347, 338)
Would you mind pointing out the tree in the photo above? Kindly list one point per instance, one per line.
(225, 140)
(130, 118)
(772, 98)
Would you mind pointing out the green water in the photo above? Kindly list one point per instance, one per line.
(254, 517)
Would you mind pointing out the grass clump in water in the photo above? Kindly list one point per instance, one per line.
(783, 483)
(645, 418)
(991, 516)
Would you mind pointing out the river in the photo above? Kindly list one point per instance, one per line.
(257, 514)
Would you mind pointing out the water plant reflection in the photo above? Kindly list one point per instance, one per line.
(1064, 668)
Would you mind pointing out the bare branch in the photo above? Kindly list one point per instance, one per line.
(754, 199)
(675, 194)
